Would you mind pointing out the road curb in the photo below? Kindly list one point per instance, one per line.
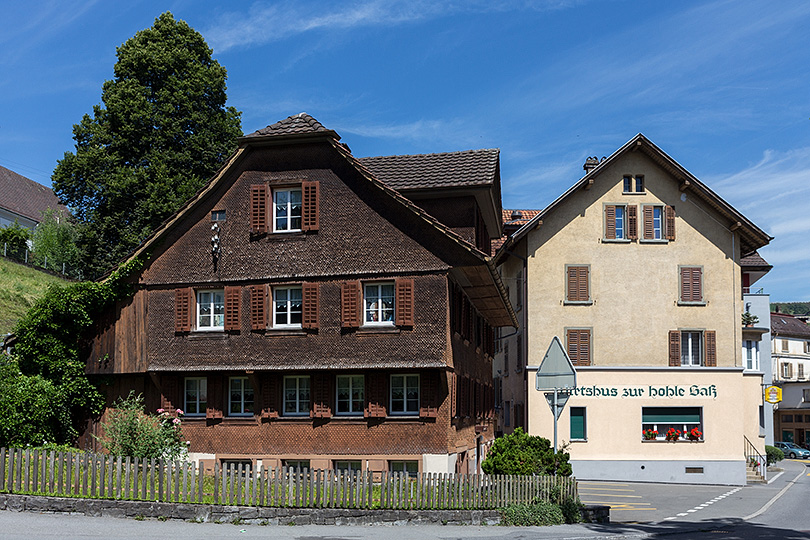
(774, 499)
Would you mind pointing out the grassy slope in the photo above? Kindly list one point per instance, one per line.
(20, 286)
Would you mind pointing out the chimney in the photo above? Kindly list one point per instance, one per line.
(516, 214)
(590, 164)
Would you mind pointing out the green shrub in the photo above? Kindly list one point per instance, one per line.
(128, 431)
(521, 454)
(571, 510)
(14, 238)
(773, 454)
(539, 513)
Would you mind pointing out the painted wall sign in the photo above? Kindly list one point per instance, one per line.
(669, 391)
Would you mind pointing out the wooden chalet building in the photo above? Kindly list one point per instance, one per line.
(310, 308)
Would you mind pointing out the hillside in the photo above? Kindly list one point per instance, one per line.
(791, 308)
(20, 286)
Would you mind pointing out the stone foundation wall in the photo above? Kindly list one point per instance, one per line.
(245, 514)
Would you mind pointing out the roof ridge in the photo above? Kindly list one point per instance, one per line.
(431, 154)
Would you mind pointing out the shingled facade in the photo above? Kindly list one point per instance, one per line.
(309, 308)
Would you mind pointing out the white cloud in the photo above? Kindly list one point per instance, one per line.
(268, 23)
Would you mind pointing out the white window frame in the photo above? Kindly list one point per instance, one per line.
(288, 306)
(751, 354)
(244, 384)
(212, 305)
(356, 383)
(404, 406)
(376, 310)
(289, 207)
(621, 231)
(787, 370)
(301, 405)
(197, 406)
(658, 222)
(685, 427)
(688, 351)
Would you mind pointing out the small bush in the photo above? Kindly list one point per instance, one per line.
(128, 431)
(523, 454)
(526, 515)
(773, 454)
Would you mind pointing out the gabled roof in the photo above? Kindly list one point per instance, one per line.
(512, 221)
(25, 197)
(479, 279)
(752, 237)
(298, 124)
(754, 261)
(430, 171)
(786, 325)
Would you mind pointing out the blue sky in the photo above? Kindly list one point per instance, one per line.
(723, 87)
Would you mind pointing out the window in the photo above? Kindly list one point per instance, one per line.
(631, 182)
(404, 394)
(577, 284)
(662, 419)
(286, 210)
(751, 354)
(691, 348)
(806, 395)
(785, 345)
(578, 432)
(621, 222)
(519, 353)
(348, 466)
(287, 307)
(507, 413)
(350, 394)
(218, 215)
(787, 418)
(296, 464)
(196, 401)
(506, 359)
(411, 468)
(691, 285)
(801, 370)
(787, 370)
(578, 341)
(519, 291)
(654, 222)
(296, 395)
(807, 347)
(618, 222)
(211, 310)
(378, 304)
(241, 397)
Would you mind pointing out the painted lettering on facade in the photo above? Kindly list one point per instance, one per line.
(668, 391)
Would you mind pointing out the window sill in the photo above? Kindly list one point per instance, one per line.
(378, 330)
(653, 241)
(577, 302)
(682, 303)
(634, 192)
(666, 441)
(208, 334)
(285, 332)
(616, 240)
(578, 440)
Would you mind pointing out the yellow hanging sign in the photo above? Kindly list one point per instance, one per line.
(773, 394)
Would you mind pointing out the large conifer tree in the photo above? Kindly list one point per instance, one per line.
(161, 131)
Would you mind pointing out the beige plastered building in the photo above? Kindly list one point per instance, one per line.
(636, 269)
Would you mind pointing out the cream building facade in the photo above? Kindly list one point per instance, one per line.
(636, 268)
(791, 366)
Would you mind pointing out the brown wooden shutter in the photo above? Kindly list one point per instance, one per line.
(215, 397)
(427, 396)
(377, 395)
(183, 309)
(583, 294)
(697, 284)
(233, 303)
(610, 222)
(310, 294)
(322, 396)
(452, 381)
(404, 302)
(711, 348)
(573, 288)
(170, 394)
(350, 304)
(258, 208)
(572, 340)
(691, 284)
(674, 348)
(464, 391)
(669, 212)
(686, 284)
(258, 307)
(310, 195)
(632, 222)
(584, 347)
(649, 234)
(270, 393)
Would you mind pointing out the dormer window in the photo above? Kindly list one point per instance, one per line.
(286, 210)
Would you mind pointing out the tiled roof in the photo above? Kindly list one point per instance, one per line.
(754, 259)
(512, 222)
(296, 124)
(783, 324)
(421, 171)
(25, 197)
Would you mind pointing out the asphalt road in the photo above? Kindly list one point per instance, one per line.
(774, 511)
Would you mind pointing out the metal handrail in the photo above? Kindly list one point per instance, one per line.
(753, 457)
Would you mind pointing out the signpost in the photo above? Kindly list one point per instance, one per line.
(773, 394)
(556, 378)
